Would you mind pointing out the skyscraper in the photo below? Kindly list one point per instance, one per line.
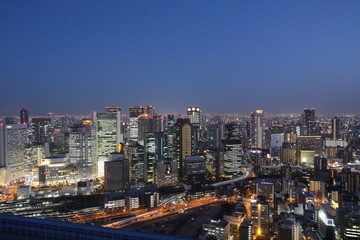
(335, 127)
(260, 217)
(309, 120)
(12, 151)
(134, 113)
(184, 142)
(258, 127)
(233, 157)
(117, 111)
(117, 171)
(41, 130)
(82, 149)
(156, 147)
(193, 113)
(24, 116)
(107, 137)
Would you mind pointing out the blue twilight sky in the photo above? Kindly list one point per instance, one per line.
(77, 56)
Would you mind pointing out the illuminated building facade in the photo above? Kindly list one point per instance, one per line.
(335, 128)
(217, 228)
(307, 147)
(166, 172)
(107, 138)
(136, 155)
(258, 129)
(193, 113)
(195, 169)
(289, 230)
(260, 217)
(41, 128)
(82, 149)
(233, 157)
(184, 142)
(134, 113)
(13, 139)
(155, 147)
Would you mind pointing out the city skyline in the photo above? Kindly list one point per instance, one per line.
(227, 57)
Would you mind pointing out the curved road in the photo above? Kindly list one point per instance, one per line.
(246, 175)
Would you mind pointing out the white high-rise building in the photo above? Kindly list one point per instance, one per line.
(108, 135)
(13, 138)
(258, 128)
(82, 149)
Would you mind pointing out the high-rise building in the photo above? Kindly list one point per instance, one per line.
(166, 172)
(258, 129)
(117, 111)
(82, 149)
(289, 230)
(310, 123)
(194, 169)
(193, 113)
(107, 138)
(117, 171)
(335, 127)
(307, 147)
(184, 142)
(13, 139)
(156, 147)
(24, 116)
(41, 130)
(214, 134)
(136, 155)
(233, 157)
(150, 110)
(320, 164)
(246, 230)
(170, 123)
(260, 217)
(134, 113)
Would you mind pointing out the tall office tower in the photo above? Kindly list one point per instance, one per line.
(82, 149)
(194, 171)
(13, 139)
(107, 138)
(155, 148)
(136, 155)
(41, 130)
(157, 123)
(309, 120)
(117, 111)
(232, 131)
(117, 177)
(144, 126)
(233, 157)
(170, 122)
(166, 172)
(150, 110)
(184, 142)
(289, 230)
(134, 113)
(24, 116)
(335, 127)
(320, 164)
(193, 113)
(246, 230)
(260, 217)
(258, 129)
(214, 134)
